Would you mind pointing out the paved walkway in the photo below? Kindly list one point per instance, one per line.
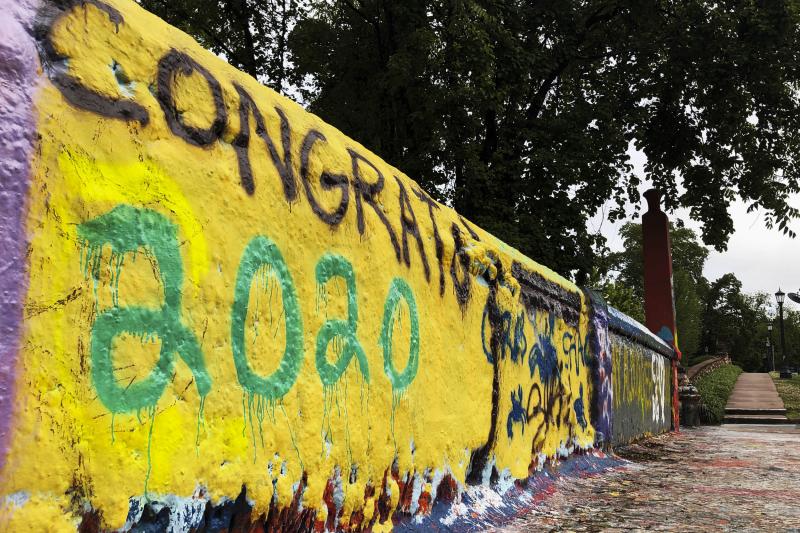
(755, 400)
(714, 478)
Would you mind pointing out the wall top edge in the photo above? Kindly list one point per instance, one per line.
(626, 326)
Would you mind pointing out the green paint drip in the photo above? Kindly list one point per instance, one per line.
(260, 418)
(263, 261)
(252, 428)
(294, 440)
(200, 421)
(244, 414)
(152, 413)
(325, 427)
(347, 426)
(116, 266)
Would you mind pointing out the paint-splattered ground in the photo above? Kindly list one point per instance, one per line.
(726, 478)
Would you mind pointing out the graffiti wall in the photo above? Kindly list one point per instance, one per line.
(642, 380)
(218, 309)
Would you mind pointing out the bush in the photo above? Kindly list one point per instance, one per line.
(714, 388)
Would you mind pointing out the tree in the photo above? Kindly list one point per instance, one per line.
(712, 317)
(791, 319)
(457, 93)
(625, 286)
(528, 108)
(735, 323)
(623, 298)
(688, 310)
(520, 114)
(252, 35)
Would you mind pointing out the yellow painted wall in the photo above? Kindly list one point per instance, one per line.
(80, 440)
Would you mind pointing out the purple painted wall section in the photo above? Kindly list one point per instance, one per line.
(18, 63)
(600, 344)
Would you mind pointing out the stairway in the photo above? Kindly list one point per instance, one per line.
(755, 400)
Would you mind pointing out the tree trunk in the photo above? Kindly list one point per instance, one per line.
(239, 14)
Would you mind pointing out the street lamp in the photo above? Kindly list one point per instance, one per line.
(780, 296)
(771, 347)
(766, 356)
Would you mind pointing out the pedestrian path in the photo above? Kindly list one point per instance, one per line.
(713, 478)
(755, 400)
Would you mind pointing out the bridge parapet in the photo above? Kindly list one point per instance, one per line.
(709, 365)
(642, 380)
(219, 304)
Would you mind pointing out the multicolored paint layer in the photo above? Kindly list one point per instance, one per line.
(234, 314)
(642, 380)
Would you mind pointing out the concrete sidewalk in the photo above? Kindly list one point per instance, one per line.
(738, 478)
(755, 400)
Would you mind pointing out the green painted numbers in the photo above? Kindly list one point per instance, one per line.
(263, 253)
(127, 230)
(400, 381)
(327, 267)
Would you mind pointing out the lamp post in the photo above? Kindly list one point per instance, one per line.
(771, 348)
(780, 296)
(765, 359)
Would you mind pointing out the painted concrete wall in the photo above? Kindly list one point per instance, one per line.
(642, 380)
(216, 305)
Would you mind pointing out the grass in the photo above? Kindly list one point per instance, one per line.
(714, 388)
(789, 391)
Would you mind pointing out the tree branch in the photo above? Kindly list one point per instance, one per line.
(208, 33)
(600, 16)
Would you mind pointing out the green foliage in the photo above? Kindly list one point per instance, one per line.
(688, 310)
(715, 388)
(251, 35)
(713, 318)
(792, 333)
(521, 114)
(688, 256)
(735, 323)
(624, 298)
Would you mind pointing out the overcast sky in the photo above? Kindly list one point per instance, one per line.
(761, 258)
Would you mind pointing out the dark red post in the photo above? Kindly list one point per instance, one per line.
(659, 300)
